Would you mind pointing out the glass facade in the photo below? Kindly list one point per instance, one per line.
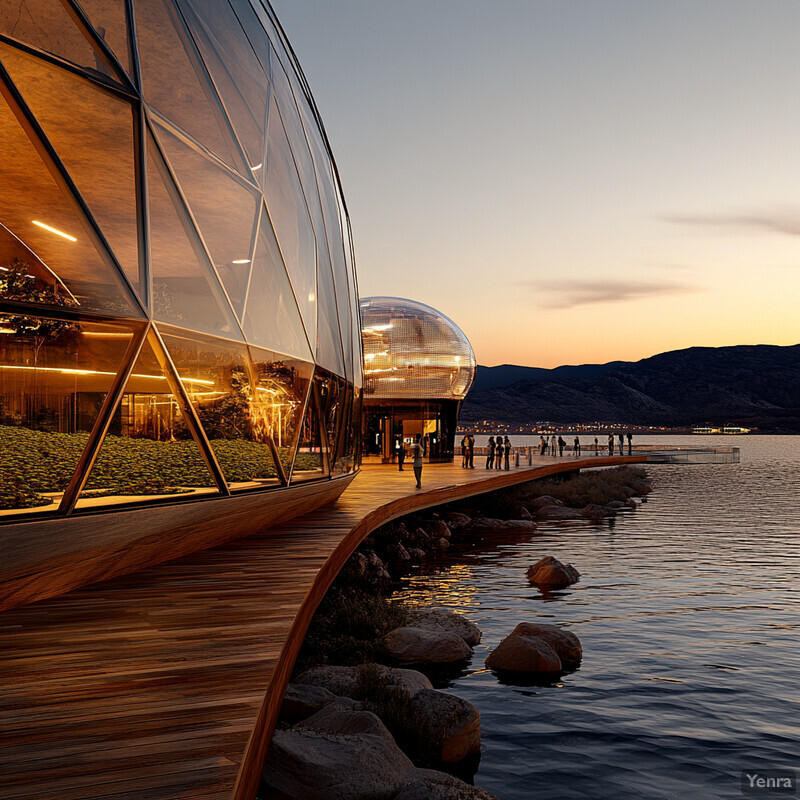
(418, 367)
(178, 302)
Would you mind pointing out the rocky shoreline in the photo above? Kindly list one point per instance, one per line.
(361, 719)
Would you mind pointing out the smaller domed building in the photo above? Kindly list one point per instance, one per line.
(418, 368)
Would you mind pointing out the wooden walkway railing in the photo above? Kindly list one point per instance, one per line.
(165, 684)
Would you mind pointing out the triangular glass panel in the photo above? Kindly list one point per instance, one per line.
(329, 339)
(46, 25)
(289, 214)
(54, 377)
(186, 292)
(149, 452)
(333, 399)
(92, 132)
(219, 380)
(69, 271)
(175, 83)
(271, 318)
(282, 386)
(225, 210)
(109, 19)
(239, 77)
(309, 461)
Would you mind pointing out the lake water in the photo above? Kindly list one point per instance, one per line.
(688, 613)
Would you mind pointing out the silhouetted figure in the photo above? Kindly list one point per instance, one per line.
(611, 444)
(630, 443)
(401, 455)
(596, 446)
(553, 445)
(417, 452)
(507, 451)
(561, 445)
(464, 452)
(470, 450)
(621, 443)
(577, 446)
(490, 454)
(498, 460)
(542, 445)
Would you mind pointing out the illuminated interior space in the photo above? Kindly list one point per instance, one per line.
(178, 302)
(418, 368)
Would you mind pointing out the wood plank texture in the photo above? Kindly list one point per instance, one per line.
(165, 683)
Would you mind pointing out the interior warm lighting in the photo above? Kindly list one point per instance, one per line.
(197, 380)
(56, 231)
(104, 335)
(312, 298)
(70, 371)
(257, 166)
(241, 261)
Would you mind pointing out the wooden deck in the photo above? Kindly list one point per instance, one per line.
(165, 684)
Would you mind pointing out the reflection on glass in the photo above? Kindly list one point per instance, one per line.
(237, 73)
(42, 232)
(235, 416)
(281, 386)
(93, 135)
(333, 401)
(280, 327)
(54, 376)
(310, 462)
(149, 452)
(186, 291)
(225, 210)
(174, 81)
(47, 26)
(287, 207)
(109, 20)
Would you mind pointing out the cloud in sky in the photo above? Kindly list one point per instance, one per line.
(571, 293)
(785, 221)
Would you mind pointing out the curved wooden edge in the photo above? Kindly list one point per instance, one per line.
(256, 751)
(45, 558)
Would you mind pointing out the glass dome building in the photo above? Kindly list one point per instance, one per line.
(178, 301)
(418, 368)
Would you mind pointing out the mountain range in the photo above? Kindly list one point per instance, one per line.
(749, 385)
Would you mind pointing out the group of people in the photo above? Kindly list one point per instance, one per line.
(555, 446)
(499, 453)
(468, 451)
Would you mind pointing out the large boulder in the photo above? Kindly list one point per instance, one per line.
(487, 525)
(519, 511)
(344, 681)
(450, 727)
(595, 512)
(437, 529)
(566, 645)
(422, 646)
(456, 519)
(376, 571)
(557, 513)
(543, 501)
(551, 573)
(398, 555)
(480, 524)
(301, 702)
(524, 654)
(355, 568)
(642, 488)
(339, 718)
(439, 619)
(427, 784)
(326, 766)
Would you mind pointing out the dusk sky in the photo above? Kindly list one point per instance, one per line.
(571, 181)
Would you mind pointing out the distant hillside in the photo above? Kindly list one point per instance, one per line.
(751, 385)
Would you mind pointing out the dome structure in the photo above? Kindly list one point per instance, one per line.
(413, 351)
(178, 302)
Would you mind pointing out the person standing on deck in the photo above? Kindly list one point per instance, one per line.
(561, 445)
(611, 444)
(464, 446)
(553, 446)
(490, 454)
(577, 446)
(507, 451)
(542, 446)
(470, 450)
(401, 455)
(630, 442)
(498, 463)
(596, 446)
(417, 452)
(621, 443)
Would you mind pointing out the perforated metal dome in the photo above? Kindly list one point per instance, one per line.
(413, 351)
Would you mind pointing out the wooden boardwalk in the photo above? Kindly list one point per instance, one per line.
(165, 684)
